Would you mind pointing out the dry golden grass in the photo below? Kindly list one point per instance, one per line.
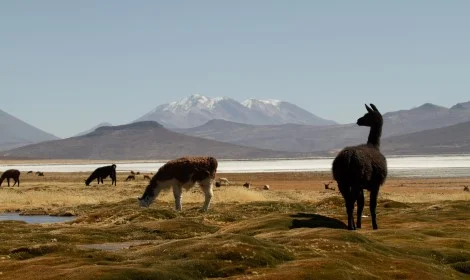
(68, 189)
(293, 231)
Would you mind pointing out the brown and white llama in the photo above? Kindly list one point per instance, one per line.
(182, 173)
(11, 174)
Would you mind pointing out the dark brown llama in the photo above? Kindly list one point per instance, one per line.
(101, 173)
(182, 173)
(11, 174)
(362, 167)
(327, 186)
(130, 177)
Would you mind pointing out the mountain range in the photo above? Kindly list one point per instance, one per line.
(309, 138)
(454, 139)
(296, 134)
(197, 109)
(138, 141)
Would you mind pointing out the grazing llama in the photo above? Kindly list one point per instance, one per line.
(11, 174)
(40, 174)
(266, 187)
(224, 181)
(362, 167)
(101, 173)
(247, 185)
(147, 177)
(327, 186)
(465, 189)
(130, 177)
(182, 173)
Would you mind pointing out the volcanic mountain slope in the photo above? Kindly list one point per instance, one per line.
(285, 137)
(93, 129)
(453, 139)
(138, 141)
(424, 117)
(17, 133)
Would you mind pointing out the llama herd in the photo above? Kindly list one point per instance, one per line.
(355, 169)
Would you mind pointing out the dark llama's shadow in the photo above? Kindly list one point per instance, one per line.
(316, 221)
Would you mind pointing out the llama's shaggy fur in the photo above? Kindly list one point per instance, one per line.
(362, 167)
(182, 173)
(11, 174)
(101, 173)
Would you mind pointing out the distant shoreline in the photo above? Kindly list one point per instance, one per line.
(415, 166)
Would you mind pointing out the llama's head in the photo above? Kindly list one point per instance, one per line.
(371, 118)
(114, 166)
(148, 197)
(87, 183)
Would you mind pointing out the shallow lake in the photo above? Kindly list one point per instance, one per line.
(33, 219)
(411, 166)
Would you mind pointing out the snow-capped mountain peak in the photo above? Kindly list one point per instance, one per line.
(198, 109)
(249, 103)
(193, 101)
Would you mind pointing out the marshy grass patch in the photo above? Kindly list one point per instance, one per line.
(296, 230)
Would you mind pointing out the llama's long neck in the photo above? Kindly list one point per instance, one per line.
(374, 136)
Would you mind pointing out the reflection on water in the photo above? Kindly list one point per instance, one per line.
(411, 166)
(33, 219)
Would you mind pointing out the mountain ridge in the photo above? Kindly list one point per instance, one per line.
(138, 141)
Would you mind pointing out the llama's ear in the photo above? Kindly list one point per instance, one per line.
(375, 108)
(369, 109)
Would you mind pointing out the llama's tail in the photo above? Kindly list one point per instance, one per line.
(343, 165)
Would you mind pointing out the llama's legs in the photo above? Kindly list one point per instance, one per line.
(177, 190)
(360, 207)
(345, 190)
(349, 211)
(352, 197)
(8, 181)
(16, 181)
(373, 205)
(206, 186)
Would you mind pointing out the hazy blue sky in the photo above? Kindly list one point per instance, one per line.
(66, 66)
